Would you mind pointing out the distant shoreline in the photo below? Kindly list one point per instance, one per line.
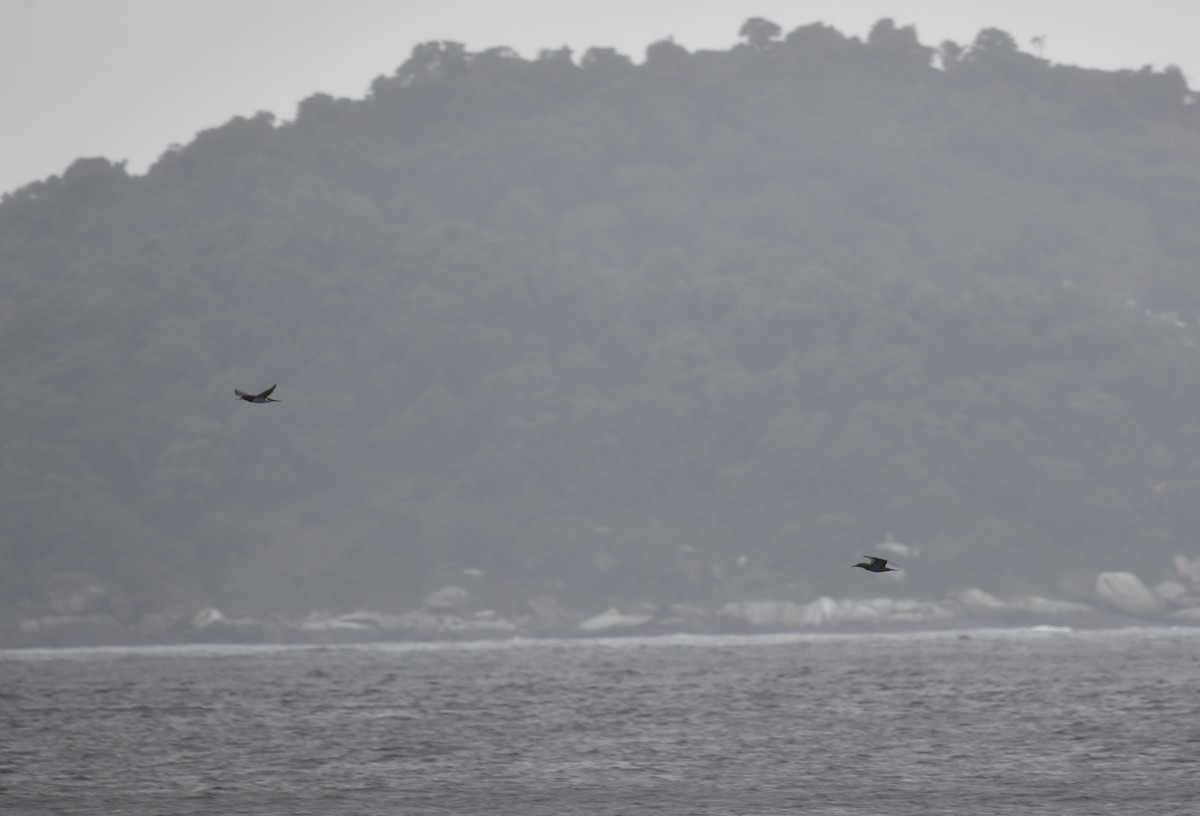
(659, 638)
(962, 628)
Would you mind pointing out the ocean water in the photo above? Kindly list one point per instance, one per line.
(985, 722)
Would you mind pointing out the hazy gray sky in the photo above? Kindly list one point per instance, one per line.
(126, 78)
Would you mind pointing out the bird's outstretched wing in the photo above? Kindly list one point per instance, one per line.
(266, 393)
(239, 392)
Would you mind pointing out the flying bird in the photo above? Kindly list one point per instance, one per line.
(876, 564)
(265, 396)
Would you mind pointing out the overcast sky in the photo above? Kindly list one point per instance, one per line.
(127, 78)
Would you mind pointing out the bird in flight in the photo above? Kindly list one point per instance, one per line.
(876, 564)
(265, 396)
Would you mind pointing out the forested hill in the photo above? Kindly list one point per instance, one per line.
(704, 325)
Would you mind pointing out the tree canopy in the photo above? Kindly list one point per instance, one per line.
(704, 325)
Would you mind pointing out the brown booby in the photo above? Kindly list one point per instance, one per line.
(265, 396)
(876, 564)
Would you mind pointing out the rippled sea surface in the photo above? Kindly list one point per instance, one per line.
(1013, 722)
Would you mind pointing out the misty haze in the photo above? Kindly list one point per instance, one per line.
(853, 383)
(575, 344)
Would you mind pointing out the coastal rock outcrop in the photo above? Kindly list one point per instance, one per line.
(1125, 592)
(1173, 592)
(547, 615)
(82, 610)
(418, 624)
(1188, 569)
(447, 599)
(210, 624)
(485, 623)
(977, 603)
(613, 621)
(827, 611)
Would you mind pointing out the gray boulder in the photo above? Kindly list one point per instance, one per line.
(548, 614)
(1125, 592)
(1173, 592)
(827, 611)
(1190, 616)
(448, 599)
(977, 602)
(680, 617)
(1188, 569)
(483, 624)
(211, 624)
(612, 621)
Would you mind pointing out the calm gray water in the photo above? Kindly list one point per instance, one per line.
(1017, 722)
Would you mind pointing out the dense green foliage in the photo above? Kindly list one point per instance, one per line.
(606, 328)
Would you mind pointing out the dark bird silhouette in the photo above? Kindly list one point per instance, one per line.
(876, 564)
(265, 396)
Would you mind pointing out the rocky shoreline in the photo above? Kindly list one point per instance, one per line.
(84, 613)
